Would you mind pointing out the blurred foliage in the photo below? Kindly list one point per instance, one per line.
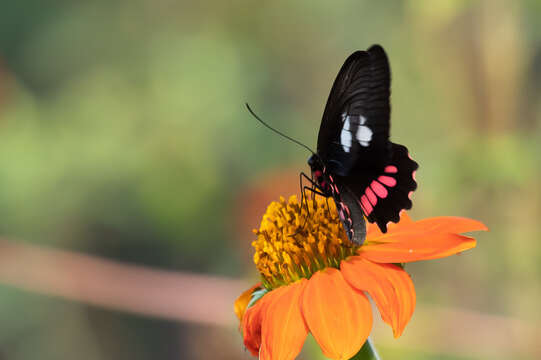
(123, 134)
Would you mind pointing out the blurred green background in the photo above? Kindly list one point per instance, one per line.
(123, 135)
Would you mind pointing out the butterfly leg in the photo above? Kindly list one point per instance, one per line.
(303, 200)
(327, 202)
(314, 189)
(302, 176)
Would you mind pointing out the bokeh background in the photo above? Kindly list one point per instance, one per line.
(131, 175)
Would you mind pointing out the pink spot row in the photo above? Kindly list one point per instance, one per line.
(371, 196)
(379, 189)
(367, 207)
(391, 169)
(387, 180)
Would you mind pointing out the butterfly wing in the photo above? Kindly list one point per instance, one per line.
(354, 131)
(350, 213)
(376, 175)
(385, 192)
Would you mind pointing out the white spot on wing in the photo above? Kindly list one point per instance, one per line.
(364, 134)
(345, 135)
(362, 120)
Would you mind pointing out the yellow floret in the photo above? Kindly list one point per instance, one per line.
(292, 244)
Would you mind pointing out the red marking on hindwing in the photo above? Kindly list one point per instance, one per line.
(371, 196)
(391, 169)
(379, 189)
(347, 209)
(367, 207)
(413, 175)
(387, 180)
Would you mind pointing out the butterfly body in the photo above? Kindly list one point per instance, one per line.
(367, 175)
(328, 186)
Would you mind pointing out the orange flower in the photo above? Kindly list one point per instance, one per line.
(316, 281)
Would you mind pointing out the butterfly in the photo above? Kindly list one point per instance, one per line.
(367, 175)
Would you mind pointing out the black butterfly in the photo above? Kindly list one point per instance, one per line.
(356, 164)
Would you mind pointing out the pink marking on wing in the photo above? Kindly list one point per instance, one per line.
(379, 189)
(366, 205)
(341, 214)
(409, 194)
(413, 175)
(318, 173)
(336, 190)
(330, 178)
(391, 169)
(387, 180)
(364, 210)
(347, 209)
(323, 184)
(371, 196)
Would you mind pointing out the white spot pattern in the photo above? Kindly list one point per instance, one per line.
(345, 135)
(363, 134)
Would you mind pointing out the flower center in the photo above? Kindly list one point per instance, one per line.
(293, 244)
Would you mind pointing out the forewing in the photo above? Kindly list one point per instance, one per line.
(354, 131)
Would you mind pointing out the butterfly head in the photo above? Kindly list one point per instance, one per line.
(318, 173)
(315, 163)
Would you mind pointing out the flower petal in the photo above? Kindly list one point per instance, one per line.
(420, 240)
(284, 330)
(389, 285)
(422, 247)
(452, 224)
(373, 230)
(338, 316)
(243, 300)
(252, 321)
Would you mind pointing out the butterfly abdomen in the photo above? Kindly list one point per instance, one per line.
(324, 182)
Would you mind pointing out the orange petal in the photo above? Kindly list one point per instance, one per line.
(251, 324)
(243, 300)
(389, 285)
(420, 240)
(442, 224)
(422, 247)
(338, 316)
(284, 330)
(372, 230)
(452, 224)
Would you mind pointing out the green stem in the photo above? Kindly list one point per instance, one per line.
(367, 352)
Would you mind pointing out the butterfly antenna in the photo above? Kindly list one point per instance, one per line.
(276, 131)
